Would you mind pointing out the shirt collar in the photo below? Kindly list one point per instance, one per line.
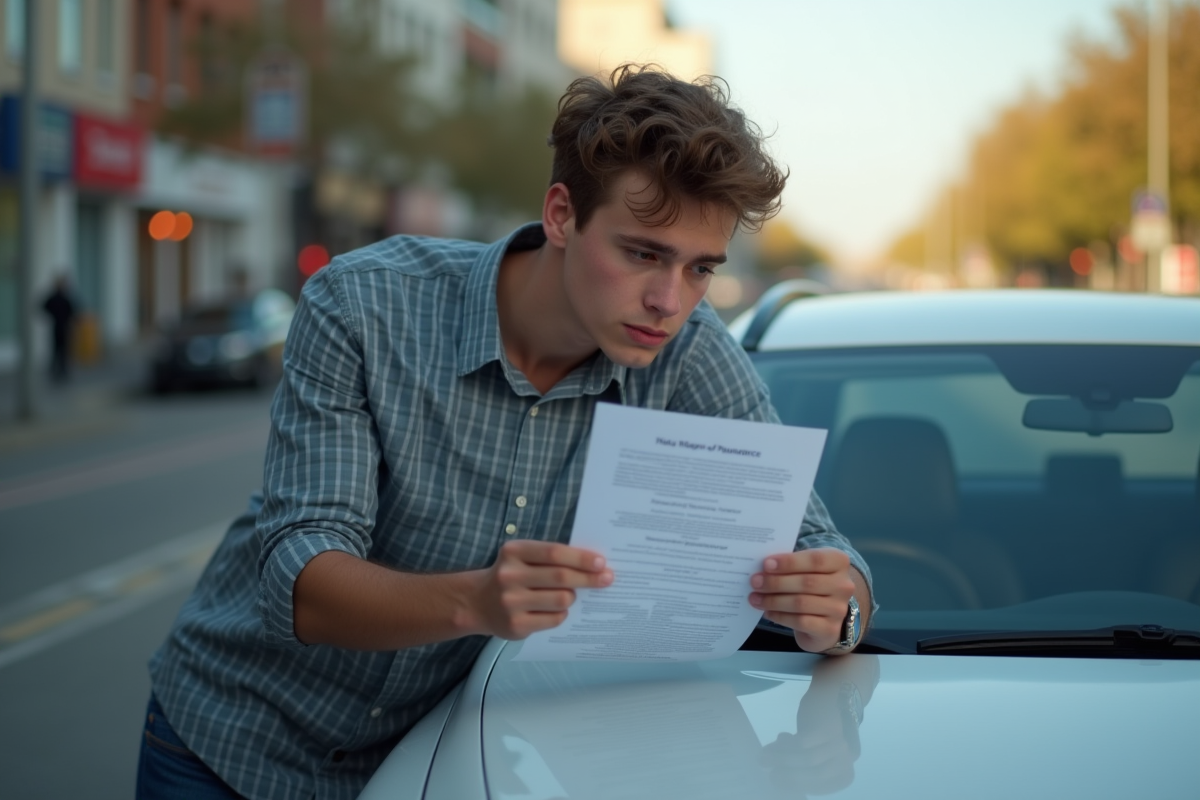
(480, 343)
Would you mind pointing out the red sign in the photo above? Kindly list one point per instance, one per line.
(107, 154)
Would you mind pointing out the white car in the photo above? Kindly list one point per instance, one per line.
(1020, 469)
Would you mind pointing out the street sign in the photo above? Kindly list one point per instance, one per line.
(276, 104)
(54, 139)
(1150, 227)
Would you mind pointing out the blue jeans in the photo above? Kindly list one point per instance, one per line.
(168, 769)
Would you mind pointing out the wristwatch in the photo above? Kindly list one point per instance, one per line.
(851, 629)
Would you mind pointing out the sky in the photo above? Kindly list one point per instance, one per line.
(873, 104)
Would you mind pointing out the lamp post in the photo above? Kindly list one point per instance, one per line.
(27, 236)
(1158, 139)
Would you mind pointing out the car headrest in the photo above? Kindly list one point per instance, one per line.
(894, 476)
(1084, 476)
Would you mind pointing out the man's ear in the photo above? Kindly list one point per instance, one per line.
(558, 215)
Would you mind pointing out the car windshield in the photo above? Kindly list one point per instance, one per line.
(1047, 487)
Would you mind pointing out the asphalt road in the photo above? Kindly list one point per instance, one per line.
(101, 537)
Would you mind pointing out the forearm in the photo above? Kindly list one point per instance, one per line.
(342, 600)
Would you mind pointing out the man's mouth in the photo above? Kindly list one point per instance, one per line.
(650, 337)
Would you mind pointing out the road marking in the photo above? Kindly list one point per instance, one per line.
(160, 459)
(46, 619)
(84, 603)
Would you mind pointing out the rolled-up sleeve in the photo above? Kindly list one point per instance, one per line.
(321, 468)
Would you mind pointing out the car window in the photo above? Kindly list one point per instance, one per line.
(932, 469)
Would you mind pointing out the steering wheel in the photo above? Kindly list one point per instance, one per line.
(947, 572)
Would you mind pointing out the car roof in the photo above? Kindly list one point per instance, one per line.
(997, 316)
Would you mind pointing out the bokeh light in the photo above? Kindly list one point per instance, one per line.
(162, 225)
(1082, 261)
(311, 259)
(183, 226)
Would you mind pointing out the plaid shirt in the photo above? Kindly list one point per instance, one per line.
(400, 433)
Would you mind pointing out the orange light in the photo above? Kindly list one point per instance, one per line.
(1081, 261)
(311, 259)
(162, 225)
(1128, 250)
(183, 226)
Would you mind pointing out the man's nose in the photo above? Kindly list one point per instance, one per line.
(662, 295)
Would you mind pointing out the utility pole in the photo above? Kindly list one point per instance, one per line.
(1158, 138)
(27, 244)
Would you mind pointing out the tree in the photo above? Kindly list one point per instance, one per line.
(495, 146)
(781, 246)
(358, 95)
(1055, 172)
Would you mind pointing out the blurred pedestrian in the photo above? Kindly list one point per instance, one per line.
(428, 443)
(62, 311)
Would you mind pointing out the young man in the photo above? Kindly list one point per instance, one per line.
(428, 443)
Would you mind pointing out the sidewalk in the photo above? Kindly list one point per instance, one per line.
(88, 402)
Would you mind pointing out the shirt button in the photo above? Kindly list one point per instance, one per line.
(521, 501)
(375, 712)
(533, 412)
(510, 529)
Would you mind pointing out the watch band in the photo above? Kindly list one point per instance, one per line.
(851, 629)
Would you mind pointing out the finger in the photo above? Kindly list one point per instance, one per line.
(813, 627)
(532, 551)
(535, 577)
(532, 622)
(518, 601)
(819, 559)
(813, 605)
(838, 585)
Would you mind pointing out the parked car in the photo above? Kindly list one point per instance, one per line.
(233, 341)
(1020, 469)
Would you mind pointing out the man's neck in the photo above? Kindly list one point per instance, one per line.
(537, 328)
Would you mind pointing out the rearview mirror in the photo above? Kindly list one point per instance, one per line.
(1070, 414)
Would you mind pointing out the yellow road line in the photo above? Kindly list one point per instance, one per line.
(46, 619)
(140, 580)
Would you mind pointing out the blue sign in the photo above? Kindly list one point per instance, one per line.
(1145, 202)
(277, 86)
(55, 139)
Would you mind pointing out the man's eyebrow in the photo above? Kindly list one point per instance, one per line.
(653, 246)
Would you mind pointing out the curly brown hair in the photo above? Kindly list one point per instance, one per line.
(685, 137)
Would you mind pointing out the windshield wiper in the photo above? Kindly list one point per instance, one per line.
(1118, 641)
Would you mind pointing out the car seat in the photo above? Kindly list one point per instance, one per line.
(1085, 527)
(1176, 571)
(894, 493)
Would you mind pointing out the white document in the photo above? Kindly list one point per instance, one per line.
(685, 509)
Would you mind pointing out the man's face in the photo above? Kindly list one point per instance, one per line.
(630, 284)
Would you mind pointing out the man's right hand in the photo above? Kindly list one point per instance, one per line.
(531, 585)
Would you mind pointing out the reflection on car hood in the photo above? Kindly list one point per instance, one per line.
(769, 725)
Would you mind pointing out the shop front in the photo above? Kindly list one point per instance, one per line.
(228, 231)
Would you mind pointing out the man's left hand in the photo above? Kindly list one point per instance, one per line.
(808, 591)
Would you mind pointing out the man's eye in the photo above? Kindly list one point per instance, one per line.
(704, 269)
(640, 255)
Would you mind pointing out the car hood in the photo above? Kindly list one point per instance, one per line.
(793, 725)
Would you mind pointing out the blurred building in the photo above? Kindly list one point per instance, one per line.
(90, 152)
(598, 35)
(510, 44)
(238, 205)
(497, 46)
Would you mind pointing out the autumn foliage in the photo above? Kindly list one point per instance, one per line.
(1057, 171)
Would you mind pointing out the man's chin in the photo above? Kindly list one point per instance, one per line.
(632, 357)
